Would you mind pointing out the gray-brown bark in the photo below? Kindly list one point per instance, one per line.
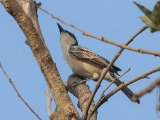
(43, 57)
(83, 94)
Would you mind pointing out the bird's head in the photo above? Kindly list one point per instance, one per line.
(67, 37)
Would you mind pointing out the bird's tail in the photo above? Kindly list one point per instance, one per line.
(127, 92)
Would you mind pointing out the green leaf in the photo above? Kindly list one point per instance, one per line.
(151, 18)
(156, 14)
(147, 12)
(153, 27)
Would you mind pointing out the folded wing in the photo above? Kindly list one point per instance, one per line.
(89, 56)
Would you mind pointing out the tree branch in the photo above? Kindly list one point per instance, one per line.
(58, 114)
(82, 92)
(103, 93)
(145, 75)
(105, 70)
(43, 57)
(158, 101)
(18, 94)
(49, 100)
(139, 50)
(148, 89)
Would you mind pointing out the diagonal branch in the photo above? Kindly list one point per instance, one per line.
(111, 83)
(105, 98)
(105, 70)
(18, 94)
(40, 51)
(139, 50)
(49, 100)
(147, 89)
(82, 92)
(103, 95)
(145, 75)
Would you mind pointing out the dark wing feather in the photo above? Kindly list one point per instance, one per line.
(90, 56)
(156, 13)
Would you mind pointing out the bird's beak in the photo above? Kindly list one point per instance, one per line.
(60, 28)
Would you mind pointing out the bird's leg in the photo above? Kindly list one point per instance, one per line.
(81, 81)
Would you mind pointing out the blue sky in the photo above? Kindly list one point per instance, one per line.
(116, 20)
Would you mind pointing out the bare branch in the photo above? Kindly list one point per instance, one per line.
(145, 75)
(158, 102)
(57, 114)
(105, 70)
(49, 100)
(147, 89)
(40, 51)
(139, 50)
(115, 80)
(18, 94)
(82, 92)
(103, 95)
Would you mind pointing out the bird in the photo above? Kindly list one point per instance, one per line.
(86, 63)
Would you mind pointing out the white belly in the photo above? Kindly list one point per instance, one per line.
(82, 68)
(85, 69)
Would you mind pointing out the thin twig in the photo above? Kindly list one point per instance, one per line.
(60, 20)
(104, 99)
(49, 100)
(145, 75)
(105, 70)
(18, 94)
(102, 95)
(158, 102)
(147, 89)
(139, 50)
(115, 80)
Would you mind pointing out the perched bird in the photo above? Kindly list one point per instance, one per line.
(86, 63)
